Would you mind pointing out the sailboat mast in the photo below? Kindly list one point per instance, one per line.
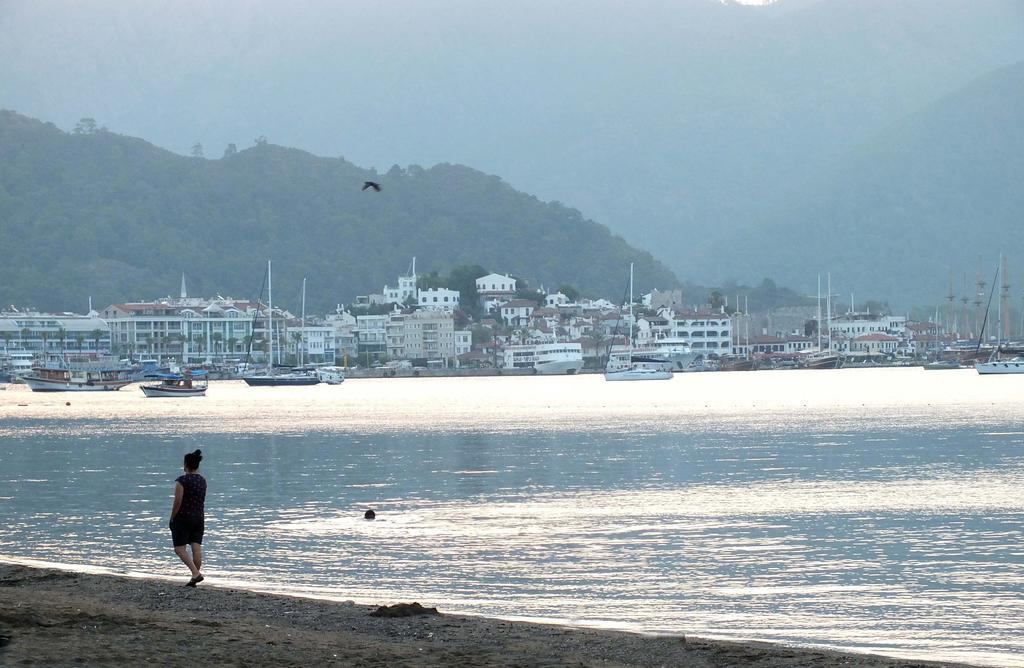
(631, 309)
(818, 323)
(270, 316)
(302, 326)
(828, 306)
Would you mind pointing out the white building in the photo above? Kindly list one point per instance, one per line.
(439, 299)
(463, 341)
(495, 290)
(556, 299)
(311, 344)
(343, 326)
(371, 337)
(405, 292)
(854, 324)
(517, 312)
(190, 328)
(706, 331)
(847, 328)
(53, 332)
(430, 335)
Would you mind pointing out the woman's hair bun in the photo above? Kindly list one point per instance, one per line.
(198, 452)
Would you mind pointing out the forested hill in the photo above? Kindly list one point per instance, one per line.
(93, 213)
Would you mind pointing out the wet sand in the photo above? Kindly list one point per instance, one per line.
(57, 618)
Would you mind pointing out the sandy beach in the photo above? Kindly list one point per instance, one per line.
(58, 618)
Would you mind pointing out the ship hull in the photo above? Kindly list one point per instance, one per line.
(280, 381)
(43, 385)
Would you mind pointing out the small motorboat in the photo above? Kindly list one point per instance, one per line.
(332, 375)
(186, 384)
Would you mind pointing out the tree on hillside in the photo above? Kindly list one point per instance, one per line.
(571, 293)
(85, 126)
(197, 150)
(463, 278)
(230, 150)
(430, 281)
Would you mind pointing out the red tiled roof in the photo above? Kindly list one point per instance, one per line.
(876, 336)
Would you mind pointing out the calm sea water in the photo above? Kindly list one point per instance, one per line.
(871, 509)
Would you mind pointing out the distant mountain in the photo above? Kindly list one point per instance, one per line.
(112, 217)
(674, 122)
(928, 195)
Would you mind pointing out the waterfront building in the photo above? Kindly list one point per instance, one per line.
(343, 326)
(429, 336)
(875, 343)
(311, 343)
(439, 299)
(854, 324)
(192, 329)
(463, 342)
(705, 331)
(371, 337)
(37, 332)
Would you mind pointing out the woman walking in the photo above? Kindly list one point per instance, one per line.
(187, 516)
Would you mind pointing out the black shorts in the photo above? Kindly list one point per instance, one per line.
(185, 530)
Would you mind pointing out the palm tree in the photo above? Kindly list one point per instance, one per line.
(297, 338)
(25, 333)
(232, 344)
(45, 336)
(62, 334)
(6, 336)
(79, 340)
(97, 334)
(217, 338)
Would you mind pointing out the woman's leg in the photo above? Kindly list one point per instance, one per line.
(182, 552)
(197, 555)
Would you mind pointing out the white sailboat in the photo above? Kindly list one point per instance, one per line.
(271, 378)
(624, 367)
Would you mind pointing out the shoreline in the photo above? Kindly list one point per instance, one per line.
(58, 617)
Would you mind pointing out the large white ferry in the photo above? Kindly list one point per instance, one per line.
(546, 358)
(78, 375)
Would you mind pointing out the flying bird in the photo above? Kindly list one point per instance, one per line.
(370, 184)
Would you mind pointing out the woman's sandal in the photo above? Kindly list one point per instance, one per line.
(196, 580)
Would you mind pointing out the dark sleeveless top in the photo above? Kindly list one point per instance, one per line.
(194, 498)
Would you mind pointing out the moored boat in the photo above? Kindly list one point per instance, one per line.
(74, 375)
(997, 366)
(624, 366)
(289, 379)
(331, 375)
(187, 384)
(549, 359)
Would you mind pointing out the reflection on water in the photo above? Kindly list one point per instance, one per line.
(874, 509)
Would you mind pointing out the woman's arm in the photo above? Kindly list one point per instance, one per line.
(179, 491)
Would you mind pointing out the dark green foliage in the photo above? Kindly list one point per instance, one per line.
(571, 293)
(108, 216)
